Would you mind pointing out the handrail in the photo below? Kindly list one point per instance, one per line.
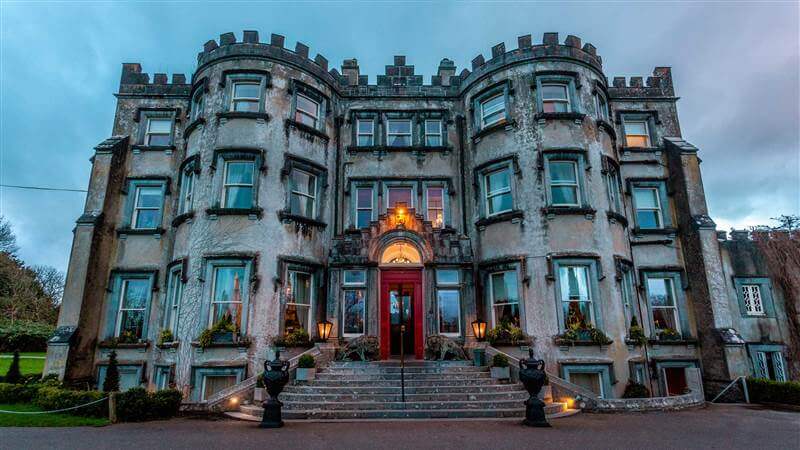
(402, 364)
(735, 380)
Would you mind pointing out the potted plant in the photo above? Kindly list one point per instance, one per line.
(669, 334)
(507, 334)
(636, 332)
(165, 337)
(258, 392)
(500, 369)
(306, 368)
(223, 332)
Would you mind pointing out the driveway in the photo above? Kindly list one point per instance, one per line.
(723, 427)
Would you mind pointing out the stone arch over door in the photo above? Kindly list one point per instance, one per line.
(407, 237)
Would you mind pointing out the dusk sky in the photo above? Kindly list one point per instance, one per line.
(736, 68)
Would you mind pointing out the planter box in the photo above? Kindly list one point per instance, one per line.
(258, 394)
(500, 373)
(305, 374)
(223, 338)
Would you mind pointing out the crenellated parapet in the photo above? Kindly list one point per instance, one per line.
(134, 82)
(657, 85)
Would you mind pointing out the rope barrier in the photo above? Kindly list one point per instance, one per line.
(54, 411)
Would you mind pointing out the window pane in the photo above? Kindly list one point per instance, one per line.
(365, 126)
(562, 171)
(301, 288)
(508, 313)
(305, 119)
(399, 195)
(433, 140)
(564, 195)
(307, 105)
(246, 106)
(589, 381)
(399, 126)
(647, 219)
(160, 125)
(364, 141)
(504, 287)
(501, 203)
(435, 197)
(433, 127)
(660, 292)
(136, 294)
(132, 322)
(217, 383)
(447, 276)
(355, 277)
(555, 106)
(363, 218)
(635, 127)
(364, 196)
(149, 197)
(228, 284)
(147, 218)
(577, 313)
(304, 182)
(302, 205)
(493, 106)
(246, 90)
(239, 197)
(399, 140)
(646, 198)
(554, 91)
(664, 318)
(159, 139)
(498, 180)
(240, 173)
(353, 311)
(449, 311)
(296, 318)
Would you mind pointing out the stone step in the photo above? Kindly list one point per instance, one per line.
(519, 396)
(396, 363)
(407, 370)
(366, 405)
(395, 389)
(397, 376)
(254, 412)
(409, 382)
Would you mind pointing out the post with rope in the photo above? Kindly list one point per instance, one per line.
(112, 407)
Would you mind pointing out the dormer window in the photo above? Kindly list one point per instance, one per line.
(307, 111)
(246, 96)
(555, 98)
(158, 132)
(398, 133)
(433, 133)
(493, 110)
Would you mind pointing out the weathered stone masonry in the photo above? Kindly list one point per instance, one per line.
(521, 179)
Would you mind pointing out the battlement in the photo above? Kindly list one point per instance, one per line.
(657, 85)
(134, 82)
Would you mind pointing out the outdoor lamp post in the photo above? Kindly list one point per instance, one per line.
(324, 330)
(479, 354)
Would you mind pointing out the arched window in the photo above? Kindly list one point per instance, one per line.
(401, 253)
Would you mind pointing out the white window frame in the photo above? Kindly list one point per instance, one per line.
(657, 208)
(364, 208)
(565, 298)
(371, 133)
(390, 134)
(226, 185)
(313, 115)
(488, 196)
(242, 286)
(312, 195)
(354, 286)
(567, 101)
(452, 287)
(483, 112)
(492, 304)
(753, 307)
(675, 313)
(646, 134)
(186, 200)
(137, 208)
(575, 185)
(235, 99)
(148, 133)
(122, 307)
(174, 296)
(428, 207)
(292, 274)
(438, 134)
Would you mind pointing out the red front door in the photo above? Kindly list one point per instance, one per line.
(401, 306)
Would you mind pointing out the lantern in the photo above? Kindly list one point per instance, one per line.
(324, 330)
(479, 328)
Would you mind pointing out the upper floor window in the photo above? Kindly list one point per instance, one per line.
(158, 132)
(246, 96)
(174, 294)
(492, 110)
(753, 305)
(307, 111)
(564, 186)
(612, 188)
(186, 200)
(555, 98)
(147, 207)
(448, 297)
(637, 133)
(433, 133)
(133, 303)
(237, 191)
(297, 314)
(365, 132)
(504, 298)
(197, 105)
(601, 105)
(647, 201)
(663, 305)
(576, 296)
(364, 206)
(398, 133)
(755, 296)
(400, 194)
(354, 302)
(498, 191)
(434, 197)
(228, 285)
(303, 186)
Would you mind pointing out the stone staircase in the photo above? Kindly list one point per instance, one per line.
(371, 390)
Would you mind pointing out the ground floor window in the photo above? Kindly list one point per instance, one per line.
(163, 375)
(353, 302)
(673, 376)
(592, 377)
(130, 376)
(208, 381)
(768, 362)
(213, 384)
(448, 299)
(298, 303)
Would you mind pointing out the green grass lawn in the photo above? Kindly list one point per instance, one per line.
(44, 420)
(26, 365)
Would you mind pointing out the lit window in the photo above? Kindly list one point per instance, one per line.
(227, 291)
(147, 207)
(398, 133)
(304, 193)
(493, 110)
(647, 201)
(505, 298)
(753, 304)
(636, 133)
(564, 190)
(399, 195)
(363, 207)
(498, 192)
(174, 293)
(448, 296)
(435, 197)
(246, 96)
(187, 191)
(601, 104)
(576, 297)
(238, 184)
(555, 98)
(365, 132)
(353, 310)
(433, 133)
(134, 296)
(306, 111)
(159, 132)
(661, 295)
(298, 305)
(197, 105)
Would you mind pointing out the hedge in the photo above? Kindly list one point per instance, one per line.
(768, 391)
(24, 336)
(136, 405)
(52, 398)
(17, 393)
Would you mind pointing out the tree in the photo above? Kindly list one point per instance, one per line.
(111, 383)
(52, 282)
(8, 241)
(14, 375)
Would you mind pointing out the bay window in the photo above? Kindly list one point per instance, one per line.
(497, 186)
(492, 110)
(504, 296)
(297, 312)
(564, 186)
(307, 110)
(303, 186)
(246, 96)
(555, 98)
(238, 182)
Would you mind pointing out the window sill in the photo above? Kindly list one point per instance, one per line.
(257, 212)
(152, 148)
(179, 219)
(605, 125)
(625, 148)
(502, 125)
(617, 217)
(193, 126)
(240, 345)
(673, 342)
(388, 148)
(243, 115)
(543, 116)
(509, 216)
(140, 232)
(112, 345)
(168, 345)
(580, 343)
(655, 231)
(569, 211)
(306, 129)
(287, 217)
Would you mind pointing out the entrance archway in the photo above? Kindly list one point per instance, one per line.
(401, 309)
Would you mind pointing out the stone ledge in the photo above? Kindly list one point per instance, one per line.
(306, 129)
(181, 218)
(509, 216)
(243, 115)
(258, 212)
(576, 116)
(193, 126)
(501, 125)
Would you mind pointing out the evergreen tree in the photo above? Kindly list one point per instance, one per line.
(111, 383)
(13, 375)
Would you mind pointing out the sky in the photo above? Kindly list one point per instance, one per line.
(736, 67)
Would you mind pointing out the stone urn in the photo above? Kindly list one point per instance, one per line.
(276, 375)
(533, 376)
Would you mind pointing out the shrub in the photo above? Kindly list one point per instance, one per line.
(52, 398)
(362, 348)
(306, 361)
(224, 325)
(13, 375)
(669, 334)
(636, 332)
(598, 337)
(165, 336)
(499, 360)
(769, 391)
(17, 393)
(24, 336)
(137, 405)
(166, 403)
(635, 390)
(297, 338)
(506, 333)
(111, 383)
(442, 348)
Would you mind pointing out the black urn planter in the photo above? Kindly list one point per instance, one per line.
(276, 375)
(533, 376)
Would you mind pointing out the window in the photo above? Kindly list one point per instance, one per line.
(433, 133)
(397, 195)
(147, 207)
(163, 377)
(363, 207)
(555, 98)
(303, 193)
(197, 105)
(505, 298)
(238, 184)
(753, 305)
(398, 133)
(768, 362)
(663, 305)
(601, 105)
(448, 296)
(593, 381)
(213, 384)
(209, 381)
(174, 294)
(227, 289)
(246, 96)
(647, 201)
(135, 296)
(612, 189)
(755, 297)
(130, 376)
(435, 202)
(492, 110)
(498, 192)
(187, 190)
(564, 187)
(637, 133)
(354, 305)
(628, 292)
(158, 132)
(576, 297)
(306, 111)
(298, 304)
(593, 377)
(365, 132)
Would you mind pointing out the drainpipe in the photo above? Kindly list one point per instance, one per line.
(460, 130)
(336, 210)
